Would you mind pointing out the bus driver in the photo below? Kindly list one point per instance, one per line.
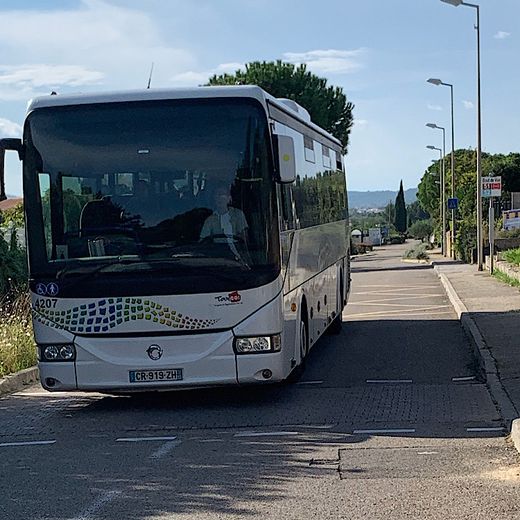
(226, 221)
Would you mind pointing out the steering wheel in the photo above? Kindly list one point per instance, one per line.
(223, 239)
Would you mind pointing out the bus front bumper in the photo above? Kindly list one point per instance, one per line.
(159, 363)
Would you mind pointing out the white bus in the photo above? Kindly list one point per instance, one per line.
(180, 238)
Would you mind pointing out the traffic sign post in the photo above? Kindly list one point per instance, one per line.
(491, 187)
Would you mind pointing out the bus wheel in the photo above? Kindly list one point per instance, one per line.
(299, 369)
(337, 322)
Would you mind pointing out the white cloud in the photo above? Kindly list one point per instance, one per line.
(9, 128)
(95, 43)
(360, 122)
(501, 35)
(437, 108)
(193, 78)
(40, 75)
(328, 61)
(468, 105)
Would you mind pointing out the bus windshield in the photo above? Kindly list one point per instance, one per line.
(155, 197)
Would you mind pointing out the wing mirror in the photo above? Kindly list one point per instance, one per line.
(14, 144)
(285, 160)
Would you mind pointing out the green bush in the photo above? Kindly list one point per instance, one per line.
(17, 348)
(421, 229)
(13, 216)
(512, 256)
(13, 265)
(417, 252)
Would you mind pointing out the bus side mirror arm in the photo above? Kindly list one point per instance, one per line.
(284, 156)
(10, 143)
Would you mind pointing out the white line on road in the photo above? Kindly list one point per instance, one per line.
(428, 453)
(309, 383)
(405, 305)
(397, 313)
(26, 443)
(386, 381)
(145, 439)
(91, 511)
(493, 429)
(264, 434)
(164, 449)
(465, 378)
(375, 432)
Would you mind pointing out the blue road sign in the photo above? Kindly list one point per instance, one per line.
(453, 203)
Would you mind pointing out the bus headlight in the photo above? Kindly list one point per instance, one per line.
(63, 352)
(258, 344)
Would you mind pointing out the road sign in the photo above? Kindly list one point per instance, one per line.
(453, 203)
(491, 186)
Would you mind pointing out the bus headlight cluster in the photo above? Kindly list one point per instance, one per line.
(63, 352)
(258, 344)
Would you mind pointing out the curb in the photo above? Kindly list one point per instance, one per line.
(488, 371)
(17, 381)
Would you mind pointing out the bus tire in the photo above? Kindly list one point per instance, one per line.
(297, 372)
(337, 322)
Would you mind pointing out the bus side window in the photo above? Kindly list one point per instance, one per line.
(286, 205)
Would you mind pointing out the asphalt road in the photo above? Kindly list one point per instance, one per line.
(388, 422)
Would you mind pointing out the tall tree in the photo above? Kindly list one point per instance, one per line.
(2, 176)
(401, 221)
(327, 105)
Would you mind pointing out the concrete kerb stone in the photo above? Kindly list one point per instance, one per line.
(488, 371)
(15, 382)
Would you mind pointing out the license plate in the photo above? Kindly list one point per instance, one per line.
(152, 376)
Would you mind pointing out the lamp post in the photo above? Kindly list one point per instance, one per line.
(435, 81)
(456, 3)
(442, 213)
(443, 184)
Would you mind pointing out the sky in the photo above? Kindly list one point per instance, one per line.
(381, 52)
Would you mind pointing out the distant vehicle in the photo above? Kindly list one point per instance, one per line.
(180, 238)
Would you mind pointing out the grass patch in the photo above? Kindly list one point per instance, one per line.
(504, 278)
(417, 253)
(512, 256)
(17, 347)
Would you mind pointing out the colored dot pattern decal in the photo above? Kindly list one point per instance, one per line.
(106, 315)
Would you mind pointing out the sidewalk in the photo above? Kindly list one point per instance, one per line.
(490, 313)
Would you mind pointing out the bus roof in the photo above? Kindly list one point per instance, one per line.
(246, 91)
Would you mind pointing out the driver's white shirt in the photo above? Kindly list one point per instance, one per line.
(232, 222)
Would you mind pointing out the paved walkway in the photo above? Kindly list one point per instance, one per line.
(490, 312)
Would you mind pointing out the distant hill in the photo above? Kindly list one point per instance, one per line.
(378, 199)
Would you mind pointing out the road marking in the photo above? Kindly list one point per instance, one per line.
(416, 286)
(465, 378)
(90, 512)
(264, 434)
(404, 297)
(164, 449)
(26, 443)
(385, 381)
(316, 426)
(145, 439)
(428, 453)
(491, 429)
(375, 432)
(401, 312)
(413, 305)
(309, 383)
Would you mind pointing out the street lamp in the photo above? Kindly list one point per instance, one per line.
(443, 184)
(441, 195)
(435, 81)
(456, 3)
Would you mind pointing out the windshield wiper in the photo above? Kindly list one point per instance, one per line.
(74, 269)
